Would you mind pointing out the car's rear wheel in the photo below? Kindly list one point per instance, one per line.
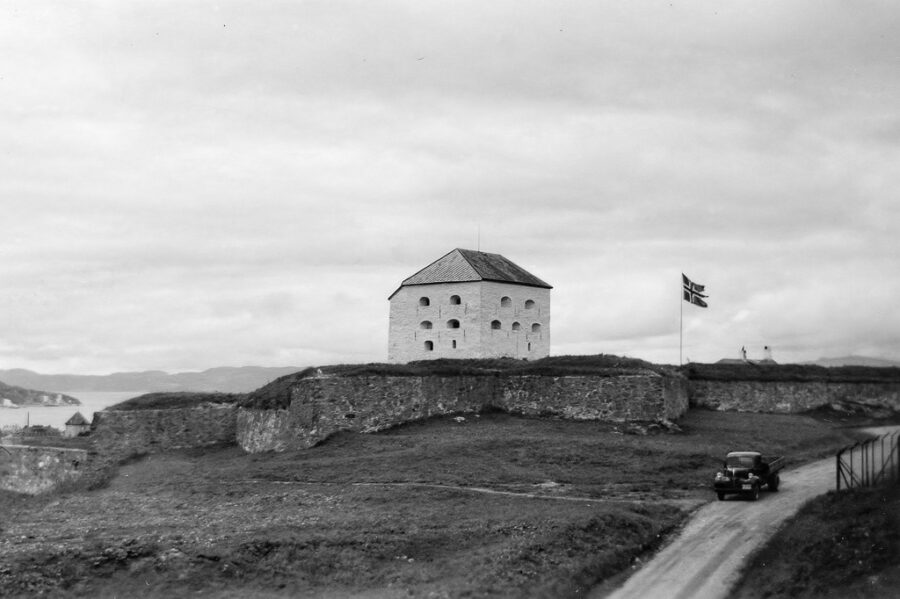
(721, 496)
(774, 482)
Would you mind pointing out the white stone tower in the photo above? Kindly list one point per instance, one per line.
(470, 304)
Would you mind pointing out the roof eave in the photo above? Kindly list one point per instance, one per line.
(402, 285)
(396, 291)
(541, 286)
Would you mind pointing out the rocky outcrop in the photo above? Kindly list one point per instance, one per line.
(14, 397)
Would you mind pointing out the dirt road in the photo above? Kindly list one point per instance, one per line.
(703, 562)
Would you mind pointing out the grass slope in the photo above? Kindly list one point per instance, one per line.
(391, 514)
(791, 373)
(841, 545)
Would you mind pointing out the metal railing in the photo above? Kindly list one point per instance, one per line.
(869, 463)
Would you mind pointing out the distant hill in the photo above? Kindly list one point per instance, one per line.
(855, 361)
(224, 379)
(12, 396)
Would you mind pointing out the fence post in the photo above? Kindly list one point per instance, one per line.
(837, 469)
(897, 445)
(865, 464)
(871, 464)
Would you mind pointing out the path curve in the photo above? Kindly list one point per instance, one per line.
(705, 560)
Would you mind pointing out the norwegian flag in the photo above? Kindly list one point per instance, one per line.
(692, 292)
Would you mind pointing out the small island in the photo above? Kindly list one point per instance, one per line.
(12, 397)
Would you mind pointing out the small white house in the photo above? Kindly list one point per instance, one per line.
(76, 425)
(470, 304)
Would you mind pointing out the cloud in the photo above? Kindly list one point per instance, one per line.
(215, 183)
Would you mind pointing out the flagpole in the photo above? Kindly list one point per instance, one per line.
(681, 330)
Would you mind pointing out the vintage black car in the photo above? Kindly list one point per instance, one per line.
(746, 473)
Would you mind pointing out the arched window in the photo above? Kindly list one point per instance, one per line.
(495, 324)
(452, 324)
(425, 324)
(424, 301)
(454, 300)
(505, 302)
(516, 326)
(429, 346)
(529, 346)
(529, 304)
(536, 327)
(454, 344)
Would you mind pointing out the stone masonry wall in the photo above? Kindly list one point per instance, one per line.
(406, 338)
(123, 433)
(504, 341)
(33, 470)
(791, 397)
(479, 305)
(325, 405)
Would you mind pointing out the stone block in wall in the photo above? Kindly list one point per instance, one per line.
(676, 396)
(265, 430)
(33, 470)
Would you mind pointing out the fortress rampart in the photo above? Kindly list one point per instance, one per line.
(125, 433)
(788, 397)
(321, 406)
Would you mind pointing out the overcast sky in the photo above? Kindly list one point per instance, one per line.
(195, 184)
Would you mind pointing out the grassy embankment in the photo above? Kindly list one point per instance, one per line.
(839, 546)
(809, 373)
(178, 399)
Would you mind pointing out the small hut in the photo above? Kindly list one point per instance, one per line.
(76, 425)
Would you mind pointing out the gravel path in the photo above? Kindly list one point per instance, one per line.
(549, 490)
(705, 560)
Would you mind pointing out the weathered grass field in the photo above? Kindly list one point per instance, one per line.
(839, 546)
(405, 512)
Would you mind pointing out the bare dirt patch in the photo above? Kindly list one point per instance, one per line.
(375, 515)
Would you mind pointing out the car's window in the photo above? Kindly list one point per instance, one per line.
(739, 461)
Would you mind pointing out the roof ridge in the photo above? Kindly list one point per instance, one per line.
(462, 252)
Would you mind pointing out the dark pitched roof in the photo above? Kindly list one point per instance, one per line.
(76, 420)
(468, 265)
